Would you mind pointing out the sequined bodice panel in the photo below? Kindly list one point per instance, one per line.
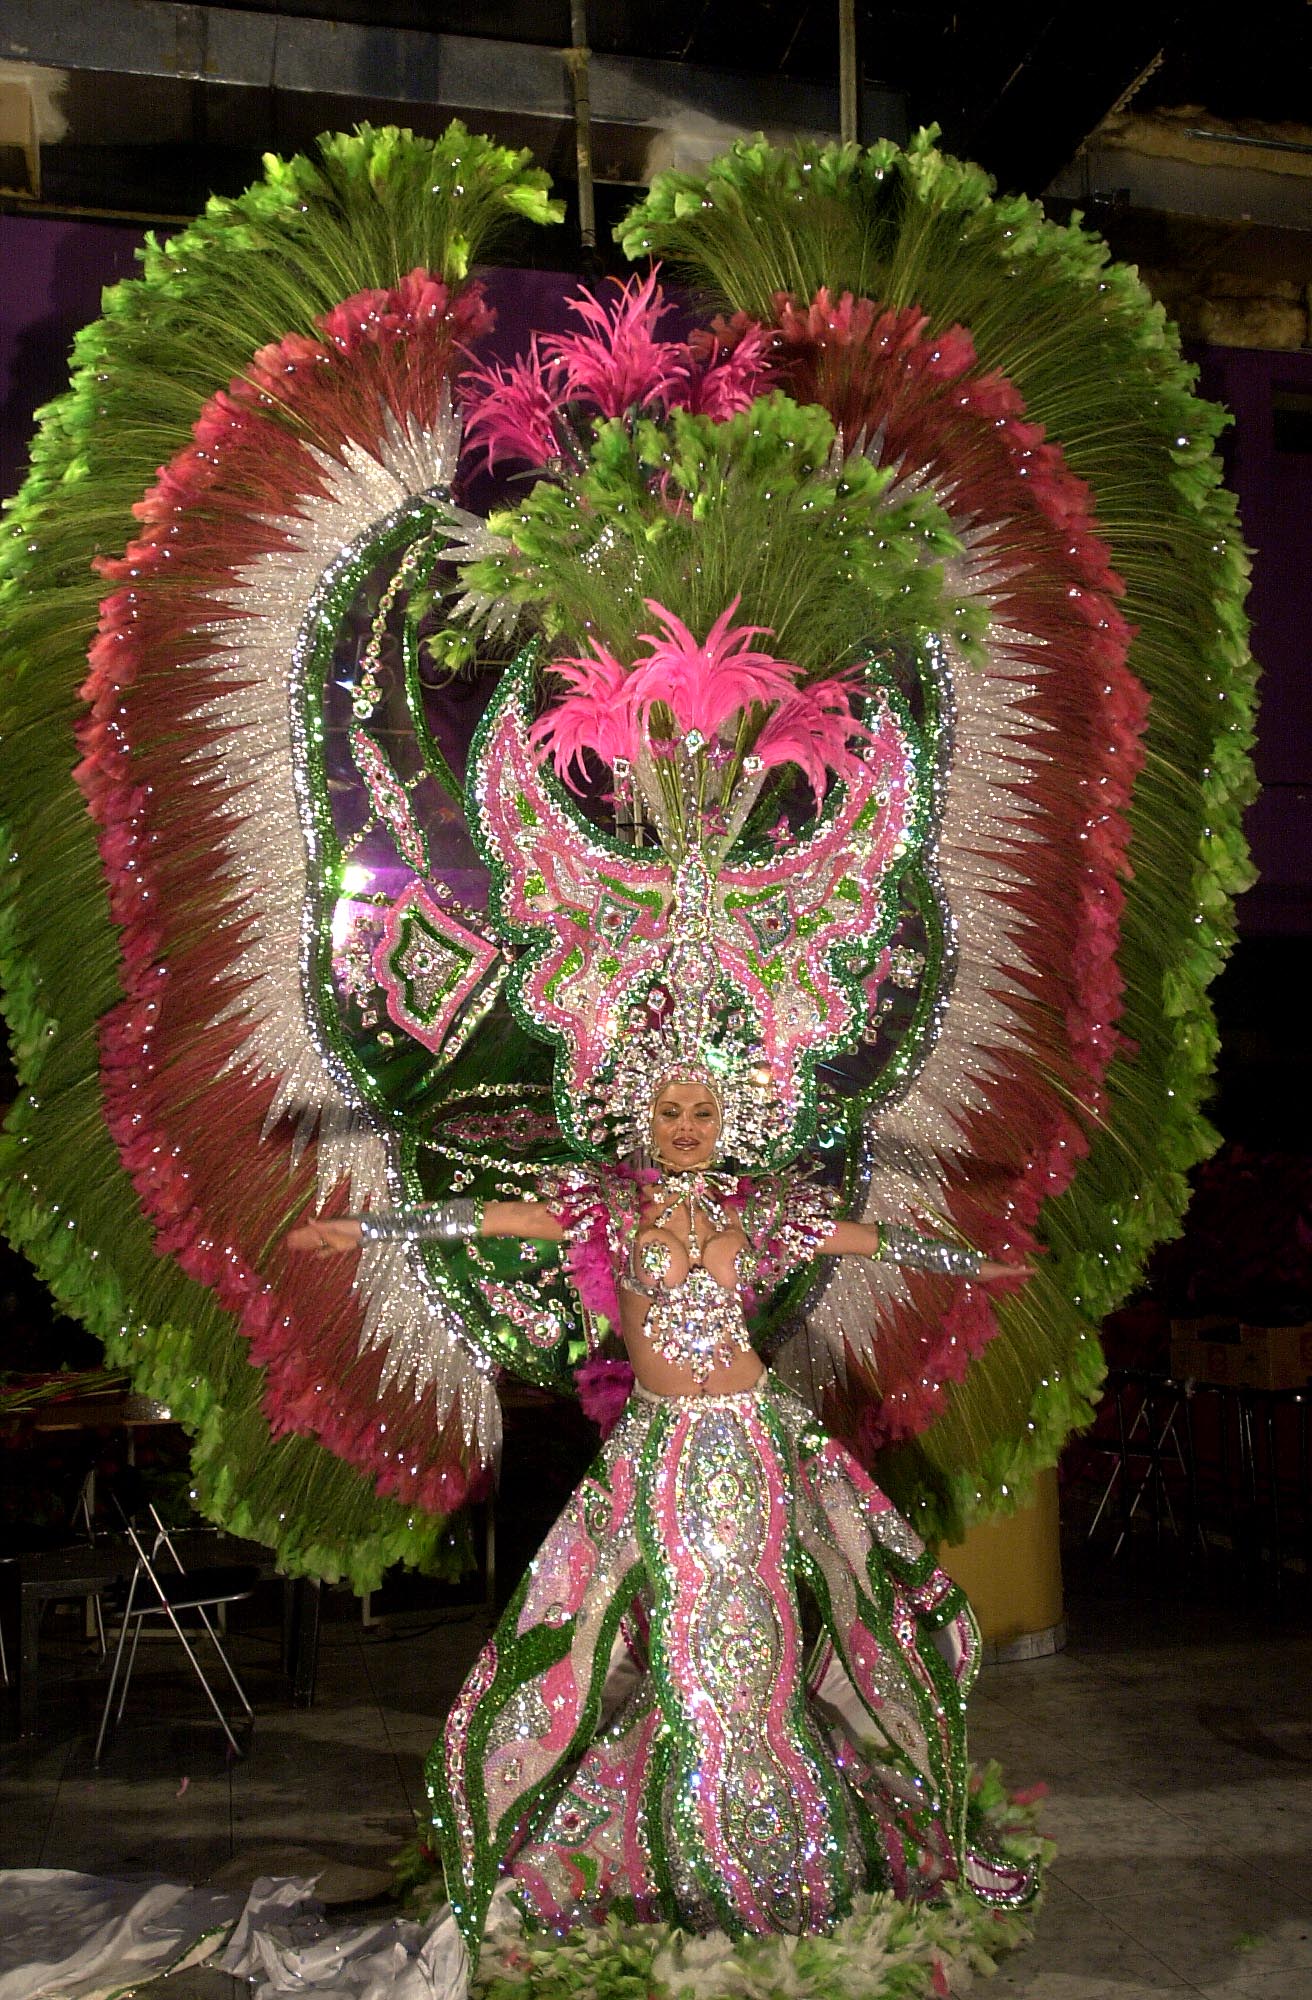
(697, 1324)
(695, 1321)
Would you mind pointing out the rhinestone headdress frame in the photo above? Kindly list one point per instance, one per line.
(640, 959)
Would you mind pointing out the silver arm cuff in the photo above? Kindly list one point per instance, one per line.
(435, 1222)
(927, 1253)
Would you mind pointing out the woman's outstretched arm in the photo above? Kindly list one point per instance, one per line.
(924, 1253)
(430, 1221)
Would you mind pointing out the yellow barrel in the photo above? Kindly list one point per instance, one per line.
(1010, 1568)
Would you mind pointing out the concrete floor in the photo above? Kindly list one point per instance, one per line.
(1175, 1739)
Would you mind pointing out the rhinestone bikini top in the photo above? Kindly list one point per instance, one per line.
(697, 1323)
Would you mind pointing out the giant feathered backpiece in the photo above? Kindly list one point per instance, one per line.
(852, 684)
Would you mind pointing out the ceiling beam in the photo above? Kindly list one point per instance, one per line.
(463, 75)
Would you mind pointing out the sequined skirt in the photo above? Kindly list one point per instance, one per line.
(649, 1727)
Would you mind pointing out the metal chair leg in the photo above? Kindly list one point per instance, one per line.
(114, 1673)
(127, 1671)
(230, 1670)
(210, 1695)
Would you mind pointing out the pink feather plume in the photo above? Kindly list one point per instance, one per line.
(814, 729)
(617, 366)
(596, 714)
(511, 408)
(704, 684)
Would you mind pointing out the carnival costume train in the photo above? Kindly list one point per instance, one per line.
(825, 718)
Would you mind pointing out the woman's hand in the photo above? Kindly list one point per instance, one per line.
(323, 1237)
(990, 1270)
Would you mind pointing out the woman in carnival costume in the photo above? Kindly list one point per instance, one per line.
(839, 743)
(645, 1729)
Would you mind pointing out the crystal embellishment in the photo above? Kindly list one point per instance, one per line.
(429, 964)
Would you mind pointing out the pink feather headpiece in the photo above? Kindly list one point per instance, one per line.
(743, 706)
(671, 948)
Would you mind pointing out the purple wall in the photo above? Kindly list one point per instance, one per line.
(54, 272)
(53, 275)
(1275, 499)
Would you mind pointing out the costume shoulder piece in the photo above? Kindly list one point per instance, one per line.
(599, 1206)
(785, 1221)
(834, 706)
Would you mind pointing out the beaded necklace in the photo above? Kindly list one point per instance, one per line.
(700, 1189)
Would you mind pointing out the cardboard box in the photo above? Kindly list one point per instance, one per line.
(1207, 1350)
(1275, 1357)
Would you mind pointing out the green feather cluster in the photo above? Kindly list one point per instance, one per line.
(693, 513)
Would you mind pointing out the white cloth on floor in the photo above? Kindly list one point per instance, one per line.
(65, 1936)
(283, 1944)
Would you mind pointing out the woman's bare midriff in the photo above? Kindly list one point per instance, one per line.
(662, 1377)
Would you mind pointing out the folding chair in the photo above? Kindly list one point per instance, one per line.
(158, 1591)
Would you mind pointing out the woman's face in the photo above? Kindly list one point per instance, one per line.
(685, 1124)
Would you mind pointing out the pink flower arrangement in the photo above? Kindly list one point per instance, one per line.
(703, 684)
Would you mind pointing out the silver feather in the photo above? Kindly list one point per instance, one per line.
(256, 754)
